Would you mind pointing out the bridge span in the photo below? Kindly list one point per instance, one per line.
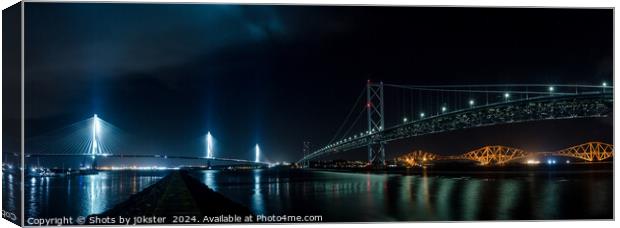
(94, 138)
(149, 156)
(502, 155)
(521, 103)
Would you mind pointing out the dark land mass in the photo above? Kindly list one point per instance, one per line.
(177, 197)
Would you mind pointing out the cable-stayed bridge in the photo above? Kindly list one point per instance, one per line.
(441, 108)
(95, 138)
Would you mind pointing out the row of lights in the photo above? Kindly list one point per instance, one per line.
(443, 110)
(422, 114)
(353, 137)
(472, 102)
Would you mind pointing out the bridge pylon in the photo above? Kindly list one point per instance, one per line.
(376, 124)
(376, 154)
(95, 147)
(306, 151)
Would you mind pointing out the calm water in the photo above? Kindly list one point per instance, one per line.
(352, 196)
(83, 195)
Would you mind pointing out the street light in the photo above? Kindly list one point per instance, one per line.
(405, 120)
(421, 115)
(471, 102)
(444, 109)
(506, 95)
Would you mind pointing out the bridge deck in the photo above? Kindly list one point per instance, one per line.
(581, 105)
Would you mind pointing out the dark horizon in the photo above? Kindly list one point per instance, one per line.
(281, 75)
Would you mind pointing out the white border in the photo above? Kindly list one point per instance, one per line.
(484, 3)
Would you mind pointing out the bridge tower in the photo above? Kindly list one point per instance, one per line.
(95, 148)
(374, 107)
(306, 151)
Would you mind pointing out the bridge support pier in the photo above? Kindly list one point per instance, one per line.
(376, 154)
(93, 165)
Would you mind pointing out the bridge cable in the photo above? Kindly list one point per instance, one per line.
(348, 115)
(353, 125)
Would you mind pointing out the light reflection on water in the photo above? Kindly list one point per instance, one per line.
(550, 201)
(444, 194)
(257, 196)
(348, 196)
(510, 192)
(9, 186)
(471, 199)
(83, 195)
(392, 197)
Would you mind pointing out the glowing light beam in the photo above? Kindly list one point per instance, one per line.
(209, 148)
(257, 151)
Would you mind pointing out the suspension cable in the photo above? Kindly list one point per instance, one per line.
(348, 115)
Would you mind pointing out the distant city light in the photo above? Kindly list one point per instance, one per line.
(533, 162)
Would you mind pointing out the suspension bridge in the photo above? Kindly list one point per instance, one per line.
(431, 109)
(95, 138)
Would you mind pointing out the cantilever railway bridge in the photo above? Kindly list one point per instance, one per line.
(501, 155)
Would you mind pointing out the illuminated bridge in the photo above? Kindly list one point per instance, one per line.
(95, 138)
(501, 155)
(441, 108)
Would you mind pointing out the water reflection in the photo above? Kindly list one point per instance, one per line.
(550, 197)
(424, 196)
(351, 196)
(96, 200)
(510, 192)
(471, 199)
(444, 194)
(209, 179)
(381, 197)
(257, 197)
(83, 195)
(10, 191)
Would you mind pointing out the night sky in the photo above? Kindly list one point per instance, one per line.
(280, 75)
